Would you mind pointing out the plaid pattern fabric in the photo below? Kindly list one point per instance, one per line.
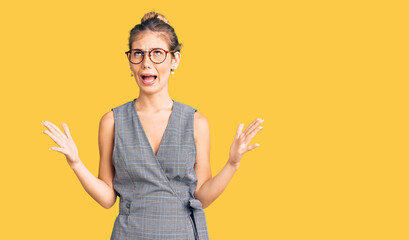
(156, 191)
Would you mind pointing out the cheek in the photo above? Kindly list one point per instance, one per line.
(134, 69)
(163, 71)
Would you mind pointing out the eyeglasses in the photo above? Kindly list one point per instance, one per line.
(157, 55)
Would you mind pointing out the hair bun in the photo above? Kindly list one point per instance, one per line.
(152, 15)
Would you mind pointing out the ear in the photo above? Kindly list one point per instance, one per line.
(176, 59)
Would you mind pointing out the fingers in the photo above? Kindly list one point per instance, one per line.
(56, 139)
(252, 126)
(57, 149)
(248, 138)
(56, 135)
(239, 129)
(53, 129)
(66, 130)
(252, 147)
(249, 126)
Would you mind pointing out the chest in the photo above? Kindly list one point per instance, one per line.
(154, 126)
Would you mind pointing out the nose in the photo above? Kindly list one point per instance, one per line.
(146, 61)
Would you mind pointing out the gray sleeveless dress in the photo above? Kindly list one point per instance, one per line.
(156, 191)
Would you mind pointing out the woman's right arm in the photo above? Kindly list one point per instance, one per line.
(101, 188)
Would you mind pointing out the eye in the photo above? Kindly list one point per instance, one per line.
(137, 53)
(157, 52)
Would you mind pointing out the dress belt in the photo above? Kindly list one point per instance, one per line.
(195, 206)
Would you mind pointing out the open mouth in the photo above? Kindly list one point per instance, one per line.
(148, 79)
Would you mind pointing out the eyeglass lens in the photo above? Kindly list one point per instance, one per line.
(156, 55)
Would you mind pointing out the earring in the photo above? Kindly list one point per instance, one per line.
(172, 71)
(131, 72)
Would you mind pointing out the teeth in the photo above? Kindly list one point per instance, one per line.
(148, 81)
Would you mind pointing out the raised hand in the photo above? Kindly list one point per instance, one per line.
(65, 142)
(239, 146)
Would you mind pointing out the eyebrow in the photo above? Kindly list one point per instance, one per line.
(142, 49)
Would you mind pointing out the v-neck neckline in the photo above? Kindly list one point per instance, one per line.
(143, 130)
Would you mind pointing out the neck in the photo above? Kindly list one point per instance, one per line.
(153, 103)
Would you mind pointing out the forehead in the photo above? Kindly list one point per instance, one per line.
(149, 40)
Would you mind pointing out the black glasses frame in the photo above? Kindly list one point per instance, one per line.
(128, 54)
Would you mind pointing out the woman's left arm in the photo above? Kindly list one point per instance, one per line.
(208, 187)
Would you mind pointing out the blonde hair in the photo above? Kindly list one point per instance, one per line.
(156, 22)
(153, 14)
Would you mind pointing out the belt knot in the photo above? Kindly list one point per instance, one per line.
(194, 203)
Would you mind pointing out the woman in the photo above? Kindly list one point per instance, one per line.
(155, 150)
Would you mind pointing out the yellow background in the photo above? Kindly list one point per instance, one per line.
(330, 78)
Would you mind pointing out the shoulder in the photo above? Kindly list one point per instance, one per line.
(200, 119)
(201, 126)
(107, 121)
(200, 122)
(124, 107)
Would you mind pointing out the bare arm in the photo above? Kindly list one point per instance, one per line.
(101, 188)
(211, 189)
(208, 187)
